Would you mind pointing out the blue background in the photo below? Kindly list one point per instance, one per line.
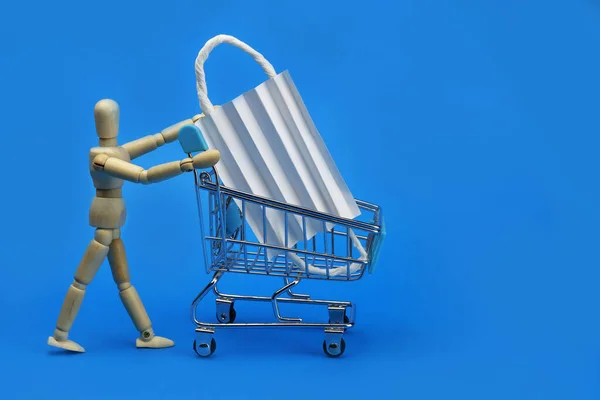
(473, 123)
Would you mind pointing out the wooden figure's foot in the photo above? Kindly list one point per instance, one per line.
(65, 344)
(156, 342)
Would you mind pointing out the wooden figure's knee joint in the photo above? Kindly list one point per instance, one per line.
(104, 236)
(94, 257)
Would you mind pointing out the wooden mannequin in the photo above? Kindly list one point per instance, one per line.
(110, 165)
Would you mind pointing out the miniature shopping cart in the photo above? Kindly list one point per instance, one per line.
(342, 251)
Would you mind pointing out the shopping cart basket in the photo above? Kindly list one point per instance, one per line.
(342, 251)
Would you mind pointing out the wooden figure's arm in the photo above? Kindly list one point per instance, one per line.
(136, 174)
(146, 144)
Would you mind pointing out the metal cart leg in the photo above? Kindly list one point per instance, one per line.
(276, 304)
(204, 344)
(212, 284)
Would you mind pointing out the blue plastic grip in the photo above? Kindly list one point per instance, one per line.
(191, 139)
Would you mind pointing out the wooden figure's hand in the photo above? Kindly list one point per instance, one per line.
(206, 159)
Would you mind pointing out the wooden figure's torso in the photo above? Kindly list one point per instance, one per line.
(108, 209)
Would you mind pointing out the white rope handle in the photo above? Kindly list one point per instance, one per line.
(205, 104)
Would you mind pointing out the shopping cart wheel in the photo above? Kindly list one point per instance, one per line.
(225, 311)
(334, 349)
(204, 349)
(227, 318)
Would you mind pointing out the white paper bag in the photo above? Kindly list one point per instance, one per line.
(270, 147)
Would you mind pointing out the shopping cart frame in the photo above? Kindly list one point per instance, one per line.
(222, 255)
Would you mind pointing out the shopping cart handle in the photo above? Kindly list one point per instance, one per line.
(191, 139)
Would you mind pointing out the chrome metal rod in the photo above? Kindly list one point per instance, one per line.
(280, 272)
(202, 325)
(203, 293)
(276, 305)
(298, 296)
(281, 299)
(282, 248)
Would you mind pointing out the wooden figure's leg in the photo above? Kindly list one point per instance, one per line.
(131, 299)
(94, 256)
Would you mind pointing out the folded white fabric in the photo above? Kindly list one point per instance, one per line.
(340, 271)
(270, 147)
